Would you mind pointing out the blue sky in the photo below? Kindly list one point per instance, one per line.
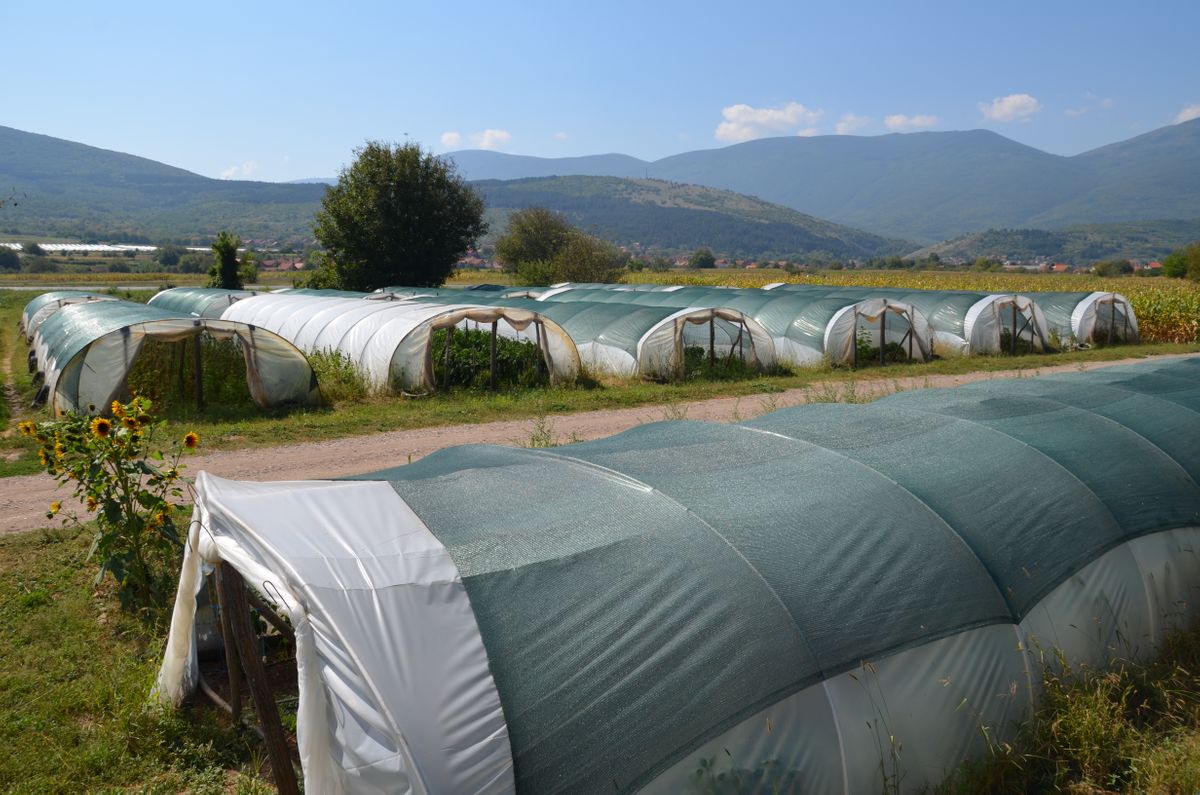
(278, 91)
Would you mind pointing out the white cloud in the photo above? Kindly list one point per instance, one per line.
(808, 132)
(898, 121)
(1104, 104)
(491, 139)
(851, 122)
(745, 123)
(1188, 113)
(1014, 107)
(240, 172)
(561, 136)
(451, 139)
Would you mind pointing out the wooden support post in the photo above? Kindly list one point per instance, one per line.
(912, 332)
(270, 616)
(495, 324)
(198, 373)
(236, 606)
(1112, 318)
(231, 661)
(712, 341)
(854, 347)
(446, 366)
(1013, 342)
(882, 335)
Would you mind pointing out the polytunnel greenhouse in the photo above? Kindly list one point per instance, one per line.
(46, 304)
(86, 351)
(1089, 318)
(806, 329)
(790, 598)
(198, 301)
(390, 340)
(646, 341)
(963, 322)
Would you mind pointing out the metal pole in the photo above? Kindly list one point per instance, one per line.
(854, 347)
(493, 378)
(912, 332)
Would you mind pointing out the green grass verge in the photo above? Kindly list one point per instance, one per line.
(75, 674)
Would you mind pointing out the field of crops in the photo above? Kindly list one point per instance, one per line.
(1168, 310)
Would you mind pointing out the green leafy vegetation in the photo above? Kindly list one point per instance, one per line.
(518, 363)
(120, 473)
(1132, 727)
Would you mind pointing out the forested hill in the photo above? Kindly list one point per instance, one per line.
(64, 188)
(666, 216)
(1082, 244)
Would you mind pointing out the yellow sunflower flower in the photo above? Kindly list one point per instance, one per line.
(91, 503)
(102, 426)
(191, 440)
(118, 410)
(55, 507)
(130, 422)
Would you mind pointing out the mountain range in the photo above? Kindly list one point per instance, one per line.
(919, 187)
(925, 186)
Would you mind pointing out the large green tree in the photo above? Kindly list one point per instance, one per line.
(397, 216)
(224, 271)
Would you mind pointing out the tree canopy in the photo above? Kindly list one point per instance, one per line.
(702, 258)
(224, 271)
(397, 215)
(543, 247)
(1183, 262)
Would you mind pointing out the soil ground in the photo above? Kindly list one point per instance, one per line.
(24, 500)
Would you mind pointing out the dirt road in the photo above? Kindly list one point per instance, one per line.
(23, 500)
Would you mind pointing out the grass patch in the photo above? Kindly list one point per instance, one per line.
(75, 673)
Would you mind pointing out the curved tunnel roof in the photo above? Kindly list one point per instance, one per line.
(86, 349)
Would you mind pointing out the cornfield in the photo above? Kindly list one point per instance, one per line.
(1168, 310)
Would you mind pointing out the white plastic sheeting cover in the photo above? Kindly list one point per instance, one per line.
(985, 322)
(389, 340)
(886, 321)
(644, 605)
(86, 349)
(395, 691)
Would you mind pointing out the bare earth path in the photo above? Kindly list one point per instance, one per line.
(23, 500)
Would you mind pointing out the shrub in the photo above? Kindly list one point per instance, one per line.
(132, 486)
(340, 379)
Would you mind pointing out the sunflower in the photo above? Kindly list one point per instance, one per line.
(102, 426)
(130, 422)
(91, 503)
(118, 410)
(43, 457)
(55, 507)
(27, 428)
(191, 440)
